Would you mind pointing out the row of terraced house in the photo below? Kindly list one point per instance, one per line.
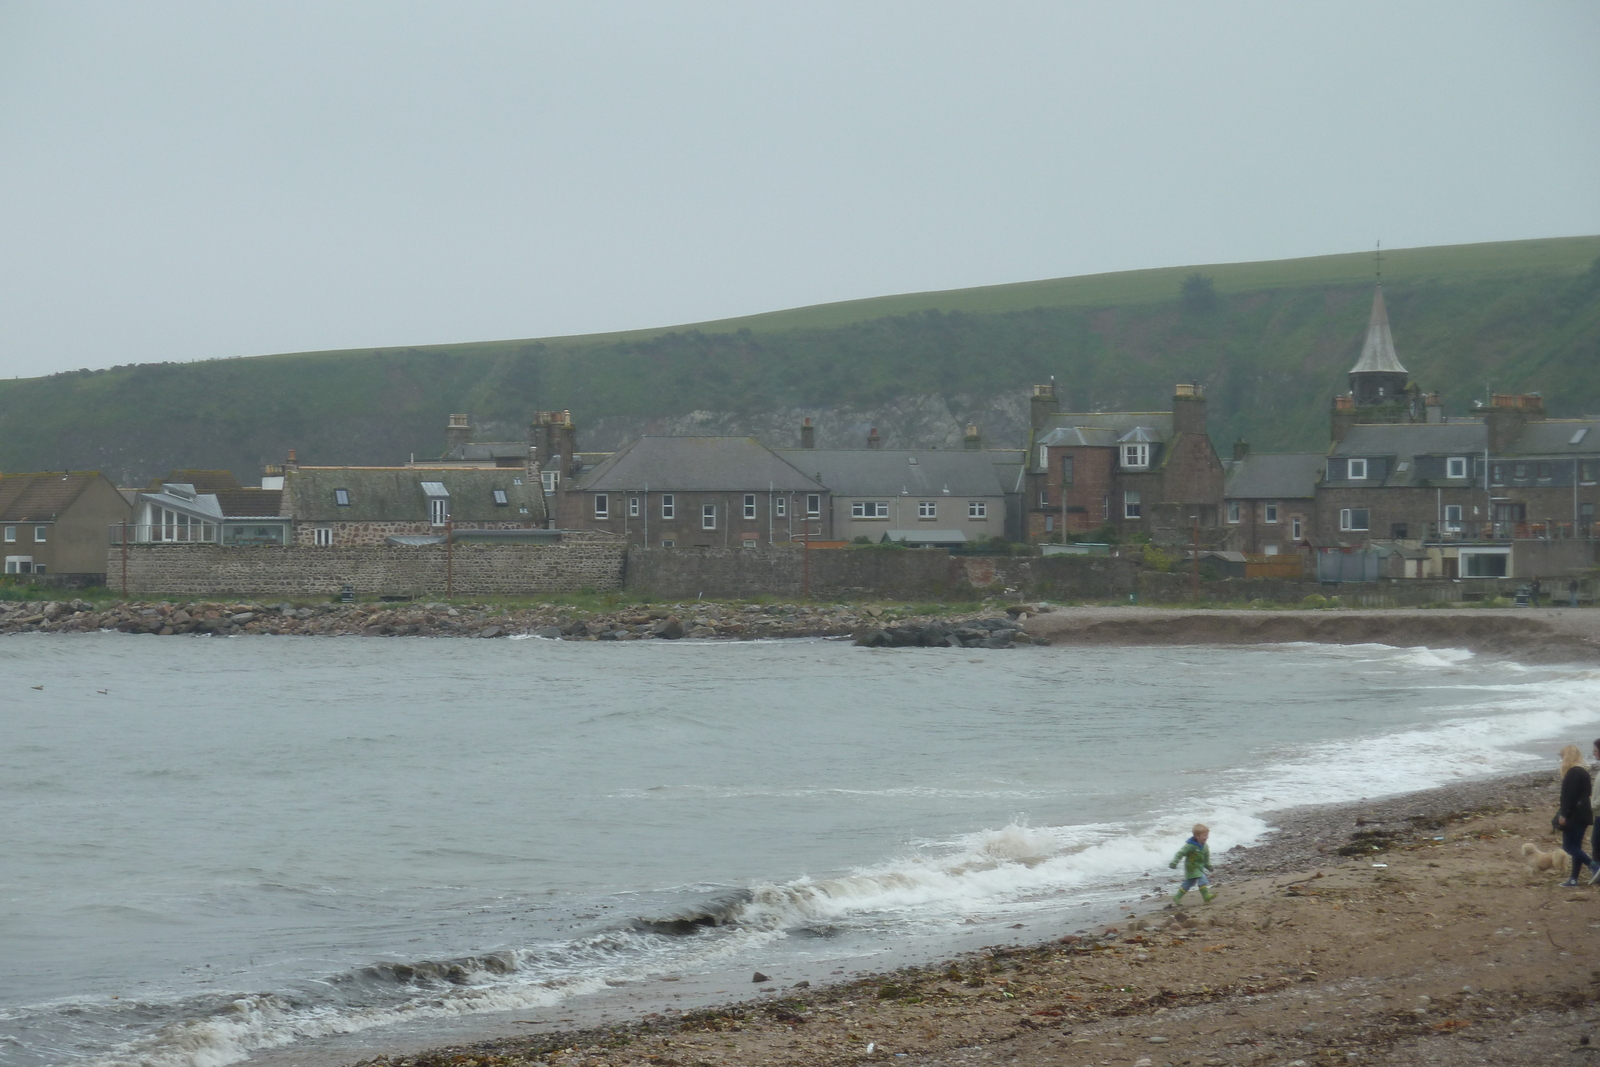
(1403, 490)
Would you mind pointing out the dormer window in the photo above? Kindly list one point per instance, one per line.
(341, 497)
(1455, 467)
(1136, 456)
(1358, 470)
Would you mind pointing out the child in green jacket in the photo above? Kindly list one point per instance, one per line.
(1196, 857)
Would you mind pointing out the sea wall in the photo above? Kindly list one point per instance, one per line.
(580, 561)
(785, 571)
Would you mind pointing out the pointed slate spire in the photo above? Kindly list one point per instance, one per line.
(1377, 355)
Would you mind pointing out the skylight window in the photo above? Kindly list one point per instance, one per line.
(1578, 436)
(499, 496)
(341, 497)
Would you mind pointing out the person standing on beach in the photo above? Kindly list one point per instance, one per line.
(1576, 813)
(1196, 857)
(1534, 588)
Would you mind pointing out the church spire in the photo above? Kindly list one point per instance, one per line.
(1377, 355)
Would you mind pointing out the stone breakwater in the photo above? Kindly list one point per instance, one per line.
(871, 626)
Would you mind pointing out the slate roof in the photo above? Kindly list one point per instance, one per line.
(1555, 438)
(1274, 475)
(695, 464)
(1377, 352)
(1406, 439)
(487, 450)
(890, 472)
(234, 499)
(395, 494)
(1106, 428)
(41, 497)
(203, 481)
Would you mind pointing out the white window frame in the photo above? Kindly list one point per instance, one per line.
(1346, 517)
(708, 516)
(749, 505)
(780, 506)
(1295, 527)
(869, 509)
(550, 480)
(438, 510)
(1135, 456)
(1132, 506)
(1044, 457)
(633, 507)
(602, 505)
(667, 542)
(1453, 517)
(322, 536)
(1352, 466)
(813, 505)
(977, 509)
(748, 542)
(927, 509)
(341, 498)
(1269, 512)
(1455, 467)
(669, 507)
(11, 535)
(1233, 511)
(41, 534)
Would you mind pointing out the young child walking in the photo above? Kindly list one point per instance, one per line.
(1196, 857)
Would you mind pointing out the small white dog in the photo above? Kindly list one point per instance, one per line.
(1540, 861)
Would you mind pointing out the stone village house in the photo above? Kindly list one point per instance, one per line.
(56, 522)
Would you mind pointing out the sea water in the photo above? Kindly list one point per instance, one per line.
(299, 850)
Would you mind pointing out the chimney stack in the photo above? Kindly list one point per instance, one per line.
(808, 435)
(1434, 408)
(457, 433)
(972, 442)
(291, 464)
(873, 440)
(1043, 404)
(1188, 408)
(1341, 417)
(1508, 415)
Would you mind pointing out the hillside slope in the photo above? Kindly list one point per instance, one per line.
(1271, 348)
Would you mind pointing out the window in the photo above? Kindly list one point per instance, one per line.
(499, 497)
(438, 510)
(1130, 504)
(39, 568)
(633, 507)
(11, 534)
(977, 509)
(549, 479)
(1066, 470)
(1044, 458)
(1452, 518)
(750, 509)
(40, 534)
(322, 536)
(1546, 471)
(1295, 527)
(1136, 455)
(1269, 512)
(1397, 531)
(341, 497)
(869, 509)
(1519, 471)
(927, 509)
(667, 542)
(1587, 470)
(1270, 549)
(749, 542)
(1049, 524)
(19, 564)
(602, 505)
(1586, 517)
(1497, 473)
(780, 506)
(1105, 506)
(708, 517)
(669, 507)
(813, 505)
(1353, 519)
(1455, 467)
(1358, 470)
(1044, 498)
(1233, 511)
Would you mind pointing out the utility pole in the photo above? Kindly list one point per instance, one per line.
(449, 559)
(805, 561)
(124, 557)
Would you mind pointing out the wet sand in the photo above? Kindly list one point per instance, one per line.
(1401, 931)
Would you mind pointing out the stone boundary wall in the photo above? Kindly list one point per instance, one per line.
(581, 561)
(360, 534)
(780, 570)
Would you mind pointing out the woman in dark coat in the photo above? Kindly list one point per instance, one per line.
(1576, 813)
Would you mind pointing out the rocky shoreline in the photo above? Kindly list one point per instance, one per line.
(871, 626)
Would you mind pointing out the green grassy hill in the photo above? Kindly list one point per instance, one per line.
(1271, 349)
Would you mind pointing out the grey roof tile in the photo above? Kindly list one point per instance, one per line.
(886, 472)
(696, 464)
(395, 494)
(1414, 439)
(1274, 475)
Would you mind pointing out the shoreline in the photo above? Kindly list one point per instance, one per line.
(1534, 635)
(1401, 930)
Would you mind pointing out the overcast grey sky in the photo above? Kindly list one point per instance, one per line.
(191, 180)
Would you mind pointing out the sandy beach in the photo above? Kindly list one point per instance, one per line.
(1402, 931)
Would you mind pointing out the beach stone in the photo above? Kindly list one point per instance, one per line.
(669, 628)
(759, 977)
(490, 631)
